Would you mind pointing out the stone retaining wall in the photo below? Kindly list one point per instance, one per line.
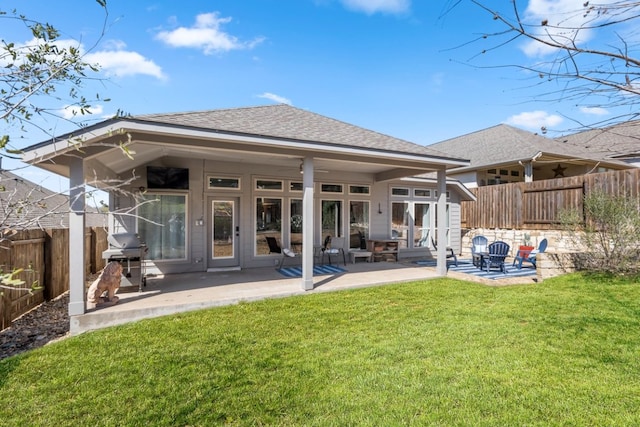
(559, 258)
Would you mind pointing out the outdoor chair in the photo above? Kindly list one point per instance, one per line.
(478, 247)
(333, 246)
(497, 253)
(531, 256)
(450, 252)
(274, 248)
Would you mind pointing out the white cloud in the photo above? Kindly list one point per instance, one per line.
(374, 6)
(71, 111)
(23, 49)
(276, 98)
(596, 111)
(121, 63)
(535, 120)
(567, 14)
(206, 34)
(113, 61)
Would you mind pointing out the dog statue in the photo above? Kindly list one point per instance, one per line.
(103, 289)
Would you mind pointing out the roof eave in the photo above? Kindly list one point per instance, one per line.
(74, 141)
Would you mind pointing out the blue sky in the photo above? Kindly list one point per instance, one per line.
(399, 67)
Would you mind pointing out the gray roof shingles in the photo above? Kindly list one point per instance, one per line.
(503, 144)
(613, 142)
(26, 205)
(286, 122)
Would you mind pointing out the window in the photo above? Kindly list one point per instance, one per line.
(218, 182)
(447, 223)
(418, 192)
(331, 218)
(399, 191)
(400, 221)
(296, 225)
(421, 225)
(358, 224)
(162, 226)
(295, 186)
(268, 222)
(331, 188)
(359, 189)
(264, 184)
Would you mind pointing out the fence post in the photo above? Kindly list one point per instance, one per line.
(5, 310)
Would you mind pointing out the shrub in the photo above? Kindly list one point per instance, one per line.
(607, 233)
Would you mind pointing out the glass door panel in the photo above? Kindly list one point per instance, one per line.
(222, 240)
(400, 222)
(421, 225)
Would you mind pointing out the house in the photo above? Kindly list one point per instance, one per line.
(502, 154)
(619, 142)
(26, 205)
(205, 189)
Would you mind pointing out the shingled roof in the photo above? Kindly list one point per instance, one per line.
(620, 141)
(26, 205)
(504, 144)
(283, 121)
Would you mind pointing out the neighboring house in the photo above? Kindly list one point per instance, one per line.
(502, 154)
(27, 205)
(210, 186)
(619, 142)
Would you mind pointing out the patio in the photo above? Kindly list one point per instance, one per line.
(176, 293)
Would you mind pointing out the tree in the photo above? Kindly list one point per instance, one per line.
(35, 78)
(34, 73)
(586, 52)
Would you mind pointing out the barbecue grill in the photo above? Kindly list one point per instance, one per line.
(128, 250)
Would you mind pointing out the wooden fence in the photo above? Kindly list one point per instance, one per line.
(537, 205)
(44, 256)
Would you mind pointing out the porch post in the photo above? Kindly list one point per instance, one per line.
(308, 222)
(441, 220)
(528, 171)
(76, 238)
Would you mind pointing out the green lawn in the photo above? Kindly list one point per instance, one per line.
(440, 352)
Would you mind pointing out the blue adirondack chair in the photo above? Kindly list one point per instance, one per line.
(498, 252)
(531, 256)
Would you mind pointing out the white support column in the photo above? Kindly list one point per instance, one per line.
(308, 222)
(441, 215)
(77, 305)
(528, 171)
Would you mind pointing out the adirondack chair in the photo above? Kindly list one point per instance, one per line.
(478, 247)
(531, 256)
(498, 252)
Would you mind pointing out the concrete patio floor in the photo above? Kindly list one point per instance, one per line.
(176, 293)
